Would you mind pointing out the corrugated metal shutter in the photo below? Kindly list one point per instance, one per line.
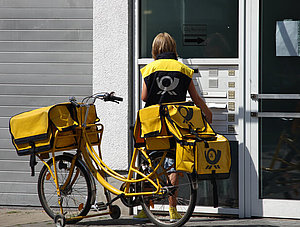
(45, 57)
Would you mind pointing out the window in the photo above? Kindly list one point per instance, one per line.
(201, 28)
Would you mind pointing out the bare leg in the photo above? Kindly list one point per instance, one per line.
(173, 177)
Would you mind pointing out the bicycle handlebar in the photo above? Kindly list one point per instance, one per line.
(111, 97)
(104, 96)
(73, 101)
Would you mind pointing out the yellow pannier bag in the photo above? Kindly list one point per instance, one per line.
(185, 156)
(205, 157)
(151, 122)
(214, 158)
(187, 117)
(158, 126)
(33, 132)
(150, 129)
(186, 121)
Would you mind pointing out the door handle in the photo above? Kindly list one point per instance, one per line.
(275, 115)
(275, 96)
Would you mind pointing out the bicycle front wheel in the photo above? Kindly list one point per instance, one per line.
(77, 195)
(182, 193)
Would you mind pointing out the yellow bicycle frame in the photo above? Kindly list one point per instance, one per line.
(98, 168)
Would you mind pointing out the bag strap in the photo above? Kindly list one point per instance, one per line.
(215, 189)
(194, 133)
(164, 112)
(32, 161)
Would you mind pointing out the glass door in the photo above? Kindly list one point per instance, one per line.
(275, 108)
(208, 38)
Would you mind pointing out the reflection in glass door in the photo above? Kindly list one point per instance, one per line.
(279, 87)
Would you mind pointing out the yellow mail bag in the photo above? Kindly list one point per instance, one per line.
(205, 157)
(33, 132)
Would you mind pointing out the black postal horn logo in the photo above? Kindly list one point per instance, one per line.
(186, 113)
(212, 157)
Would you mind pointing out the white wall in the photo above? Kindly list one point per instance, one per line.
(110, 73)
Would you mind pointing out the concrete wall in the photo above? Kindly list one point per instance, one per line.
(111, 73)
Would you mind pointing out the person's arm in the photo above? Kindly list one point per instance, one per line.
(144, 92)
(199, 102)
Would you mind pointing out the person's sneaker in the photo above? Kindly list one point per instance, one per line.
(141, 216)
(174, 215)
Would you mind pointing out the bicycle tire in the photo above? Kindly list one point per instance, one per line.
(156, 206)
(76, 199)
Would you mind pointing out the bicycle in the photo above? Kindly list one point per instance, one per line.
(283, 170)
(66, 183)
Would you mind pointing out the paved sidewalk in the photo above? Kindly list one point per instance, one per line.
(22, 216)
(38, 218)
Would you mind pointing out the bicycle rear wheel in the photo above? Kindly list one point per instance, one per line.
(76, 198)
(157, 206)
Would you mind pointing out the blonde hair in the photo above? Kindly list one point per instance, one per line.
(163, 42)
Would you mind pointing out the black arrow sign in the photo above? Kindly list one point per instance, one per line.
(198, 40)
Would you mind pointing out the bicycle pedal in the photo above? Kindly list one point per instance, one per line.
(101, 206)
